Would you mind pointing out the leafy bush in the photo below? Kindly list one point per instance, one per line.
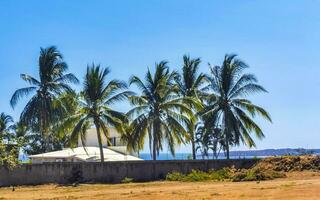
(197, 175)
(175, 176)
(256, 174)
(127, 180)
(8, 156)
(225, 174)
(222, 174)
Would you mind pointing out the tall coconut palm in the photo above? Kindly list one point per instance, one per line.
(94, 107)
(41, 111)
(5, 124)
(228, 108)
(158, 112)
(70, 101)
(190, 82)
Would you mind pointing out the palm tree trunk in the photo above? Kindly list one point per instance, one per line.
(227, 149)
(226, 133)
(100, 142)
(43, 131)
(154, 153)
(154, 149)
(193, 147)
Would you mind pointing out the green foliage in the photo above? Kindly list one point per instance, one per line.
(166, 111)
(209, 138)
(175, 176)
(190, 83)
(94, 108)
(8, 156)
(256, 174)
(197, 175)
(225, 174)
(226, 105)
(44, 108)
(127, 180)
(159, 113)
(5, 121)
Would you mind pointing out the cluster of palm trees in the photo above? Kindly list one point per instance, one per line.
(167, 111)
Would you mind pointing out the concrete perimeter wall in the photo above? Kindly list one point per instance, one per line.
(109, 172)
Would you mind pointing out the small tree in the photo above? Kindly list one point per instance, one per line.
(208, 139)
(8, 156)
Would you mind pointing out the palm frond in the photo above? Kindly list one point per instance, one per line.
(245, 90)
(252, 109)
(20, 93)
(30, 79)
(119, 97)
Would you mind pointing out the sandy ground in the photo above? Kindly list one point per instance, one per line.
(296, 186)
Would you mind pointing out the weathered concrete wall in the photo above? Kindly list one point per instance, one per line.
(110, 172)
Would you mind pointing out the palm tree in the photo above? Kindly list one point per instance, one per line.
(94, 107)
(227, 106)
(158, 113)
(70, 101)
(5, 121)
(189, 83)
(209, 138)
(43, 108)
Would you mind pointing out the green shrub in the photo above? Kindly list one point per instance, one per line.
(222, 174)
(197, 175)
(127, 180)
(8, 156)
(256, 174)
(175, 176)
(225, 174)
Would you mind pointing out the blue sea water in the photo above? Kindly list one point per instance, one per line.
(166, 156)
(147, 156)
(233, 154)
(187, 156)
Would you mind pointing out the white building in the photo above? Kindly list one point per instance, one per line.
(90, 153)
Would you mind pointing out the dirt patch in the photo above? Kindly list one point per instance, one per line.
(302, 182)
(297, 186)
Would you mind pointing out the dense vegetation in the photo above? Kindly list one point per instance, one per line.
(226, 174)
(210, 111)
(265, 169)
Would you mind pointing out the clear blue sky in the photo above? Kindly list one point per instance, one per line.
(280, 40)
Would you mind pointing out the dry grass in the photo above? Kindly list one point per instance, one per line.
(290, 163)
(297, 186)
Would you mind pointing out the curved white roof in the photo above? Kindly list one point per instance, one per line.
(87, 154)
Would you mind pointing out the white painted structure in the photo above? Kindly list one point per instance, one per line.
(90, 153)
(81, 154)
(92, 138)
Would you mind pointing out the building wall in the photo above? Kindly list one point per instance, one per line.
(111, 172)
(92, 140)
(42, 160)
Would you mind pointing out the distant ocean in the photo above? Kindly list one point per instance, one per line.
(233, 154)
(188, 156)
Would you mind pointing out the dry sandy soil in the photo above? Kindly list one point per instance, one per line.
(297, 186)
